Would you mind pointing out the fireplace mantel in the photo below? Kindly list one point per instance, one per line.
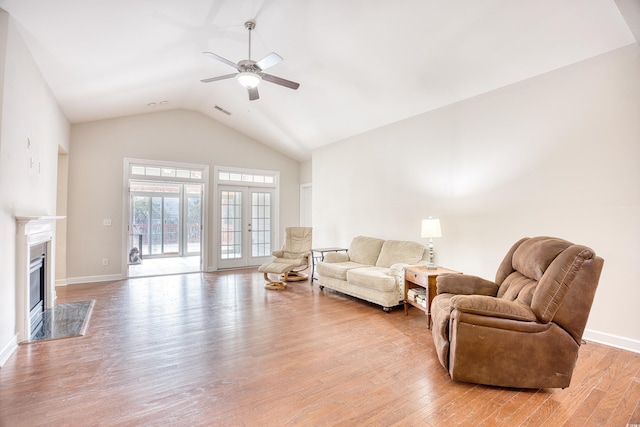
(33, 230)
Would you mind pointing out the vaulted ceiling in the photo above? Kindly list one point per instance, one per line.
(361, 64)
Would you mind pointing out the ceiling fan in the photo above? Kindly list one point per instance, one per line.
(251, 72)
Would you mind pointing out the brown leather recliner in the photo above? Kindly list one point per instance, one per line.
(525, 329)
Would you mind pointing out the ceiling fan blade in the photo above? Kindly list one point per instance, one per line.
(215, 79)
(280, 81)
(253, 93)
(223, 60)
(269, 61)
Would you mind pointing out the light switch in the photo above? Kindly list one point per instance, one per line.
(106, 222)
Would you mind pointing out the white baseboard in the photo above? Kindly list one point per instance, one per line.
(61, 282)
(8, 350)
(612, 340)
(93, 279)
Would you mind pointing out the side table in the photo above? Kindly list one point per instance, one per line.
(420, 276)
(320, 256)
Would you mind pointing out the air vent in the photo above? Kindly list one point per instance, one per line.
(222, 110)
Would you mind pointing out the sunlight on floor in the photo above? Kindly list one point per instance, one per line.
(163, 266)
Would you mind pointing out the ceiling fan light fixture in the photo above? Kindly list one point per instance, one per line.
(248, 79)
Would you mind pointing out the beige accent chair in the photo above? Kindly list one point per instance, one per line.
(291, 260)
(525, 329)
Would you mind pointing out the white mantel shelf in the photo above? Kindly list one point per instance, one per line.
(38, 218)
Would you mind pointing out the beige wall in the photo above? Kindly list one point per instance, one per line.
(556, 155)
(96, 189)
(305, 172)
(61, 210)
(29, 113)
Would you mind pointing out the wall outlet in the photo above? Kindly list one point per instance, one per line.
(105, 261)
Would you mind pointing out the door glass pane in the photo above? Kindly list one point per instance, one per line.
(260, 224)
(231, 224)
(194, 220)
(139, 235)
(156, 225)
(171, 229)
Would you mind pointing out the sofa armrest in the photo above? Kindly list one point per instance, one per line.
(464, 284)
(336, 257)
(397, 271)
(492, 307)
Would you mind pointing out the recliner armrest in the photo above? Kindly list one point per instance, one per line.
(296, 255)
(492, 307)
(500, 323)
(465, 284)
(336, 257)
(278, 254)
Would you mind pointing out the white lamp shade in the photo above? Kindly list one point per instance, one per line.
(248, 79)
(431, 228)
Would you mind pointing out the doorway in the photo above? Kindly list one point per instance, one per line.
(248, 217)
(246, 226)
(165, 220)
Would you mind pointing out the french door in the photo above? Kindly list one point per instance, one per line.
(245, 230)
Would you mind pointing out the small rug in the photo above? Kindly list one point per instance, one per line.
(66, 320)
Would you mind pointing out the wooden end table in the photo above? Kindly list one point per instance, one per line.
(419, 276)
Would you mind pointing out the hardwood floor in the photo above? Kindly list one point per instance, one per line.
(219, 349)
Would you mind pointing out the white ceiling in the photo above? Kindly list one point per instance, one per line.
(361, 64)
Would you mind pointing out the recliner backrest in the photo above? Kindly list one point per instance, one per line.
(556, 278)
(297, 241)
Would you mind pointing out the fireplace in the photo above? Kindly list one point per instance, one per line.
(35, 275)
(37, 278)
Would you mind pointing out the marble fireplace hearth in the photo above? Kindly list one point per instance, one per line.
(66, 320)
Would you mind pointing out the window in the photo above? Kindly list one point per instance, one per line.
(246, 178)
(166, 172)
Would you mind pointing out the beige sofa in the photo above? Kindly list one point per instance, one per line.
(372, 269)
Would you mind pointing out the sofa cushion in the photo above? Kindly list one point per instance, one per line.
(372, 277)
(397, 251)
(337, 270)
(365, 250)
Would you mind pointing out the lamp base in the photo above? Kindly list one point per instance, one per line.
(431, 265)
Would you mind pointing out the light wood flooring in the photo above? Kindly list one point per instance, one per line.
(218, 349)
